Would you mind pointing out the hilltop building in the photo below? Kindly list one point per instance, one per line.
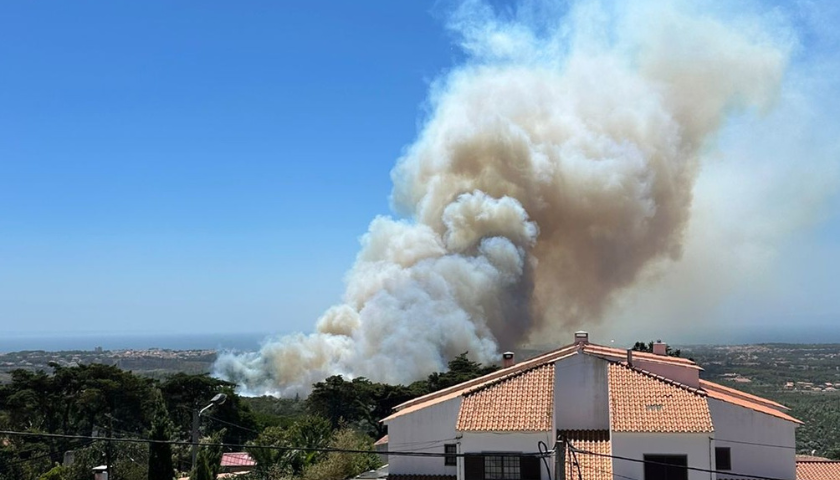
(622, 414)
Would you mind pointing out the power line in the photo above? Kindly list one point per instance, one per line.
(265, 447)
(753, 443)
(45, 455)
(426, 443)
(230, 423)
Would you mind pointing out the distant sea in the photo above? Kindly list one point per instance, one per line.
(52, 343)
(246, 342)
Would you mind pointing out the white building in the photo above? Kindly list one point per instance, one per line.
(624, 415)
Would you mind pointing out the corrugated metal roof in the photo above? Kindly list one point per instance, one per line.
(237, 459)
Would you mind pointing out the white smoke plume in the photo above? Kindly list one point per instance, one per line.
(557, 167)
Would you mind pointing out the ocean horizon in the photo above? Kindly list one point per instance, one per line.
(252, 341)
(241, 342)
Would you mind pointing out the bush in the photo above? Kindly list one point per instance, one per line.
(338, 465)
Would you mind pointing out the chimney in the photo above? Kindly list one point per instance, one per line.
(508, 359)
(581, 337)
(630, 357)
(659, 348)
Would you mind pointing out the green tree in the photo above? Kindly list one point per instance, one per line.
(202, 468)
(340, 400)
(341, 465)
(308, 434)
(56, 473)
(160, 454)
(209, 459)
(460, 369)
(185, 394)
(71, 400)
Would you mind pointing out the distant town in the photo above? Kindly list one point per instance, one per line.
(813, 368)
(153, 362)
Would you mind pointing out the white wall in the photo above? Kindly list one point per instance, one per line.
(473, 442)
(581, 394)
(744, 425)
(425, 430)
(637, 445)
(678, 373)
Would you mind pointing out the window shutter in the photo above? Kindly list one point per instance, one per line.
(530, 468)
(474, 467)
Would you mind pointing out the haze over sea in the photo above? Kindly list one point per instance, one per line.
(244, 342)
(118, 341)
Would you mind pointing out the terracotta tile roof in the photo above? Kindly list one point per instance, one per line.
(521, 402)
(742, 402)
(382, 441)
(592, 467)
(619, 355)
(644, 402)
(237, 459)
(817, 469)
(707, 385)
(458, 390)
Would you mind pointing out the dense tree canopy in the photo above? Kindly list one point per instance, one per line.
(104, 401)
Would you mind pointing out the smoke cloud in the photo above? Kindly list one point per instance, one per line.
(555, 172)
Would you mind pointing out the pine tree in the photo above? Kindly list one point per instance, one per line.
(160, 454)
(202, 468)
(209, 460)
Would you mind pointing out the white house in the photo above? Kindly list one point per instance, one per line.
(622, 414)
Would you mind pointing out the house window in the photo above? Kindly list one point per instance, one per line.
(497, 467)
(666, 467)
(723, 458)
(450, 449)
(501, 467)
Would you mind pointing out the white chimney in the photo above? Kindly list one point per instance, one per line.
(660, 348)
(581, 337)
(508, 359)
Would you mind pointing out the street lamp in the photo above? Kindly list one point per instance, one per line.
(218, 399)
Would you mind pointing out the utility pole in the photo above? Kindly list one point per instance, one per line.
(108, 448)
(218, 399)
(195, 420)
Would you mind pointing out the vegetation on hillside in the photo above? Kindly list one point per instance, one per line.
(105, 401)
(800, 376)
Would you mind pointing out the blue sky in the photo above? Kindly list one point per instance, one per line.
(190, 165)
(180, 166)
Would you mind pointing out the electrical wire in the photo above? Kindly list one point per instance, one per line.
(439, 441)
(265, 447)
(45, 455)
(753, 443)
(567, 445)
(230, 424)
(543, 448)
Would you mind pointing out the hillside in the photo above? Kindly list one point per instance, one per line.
(806, 378)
